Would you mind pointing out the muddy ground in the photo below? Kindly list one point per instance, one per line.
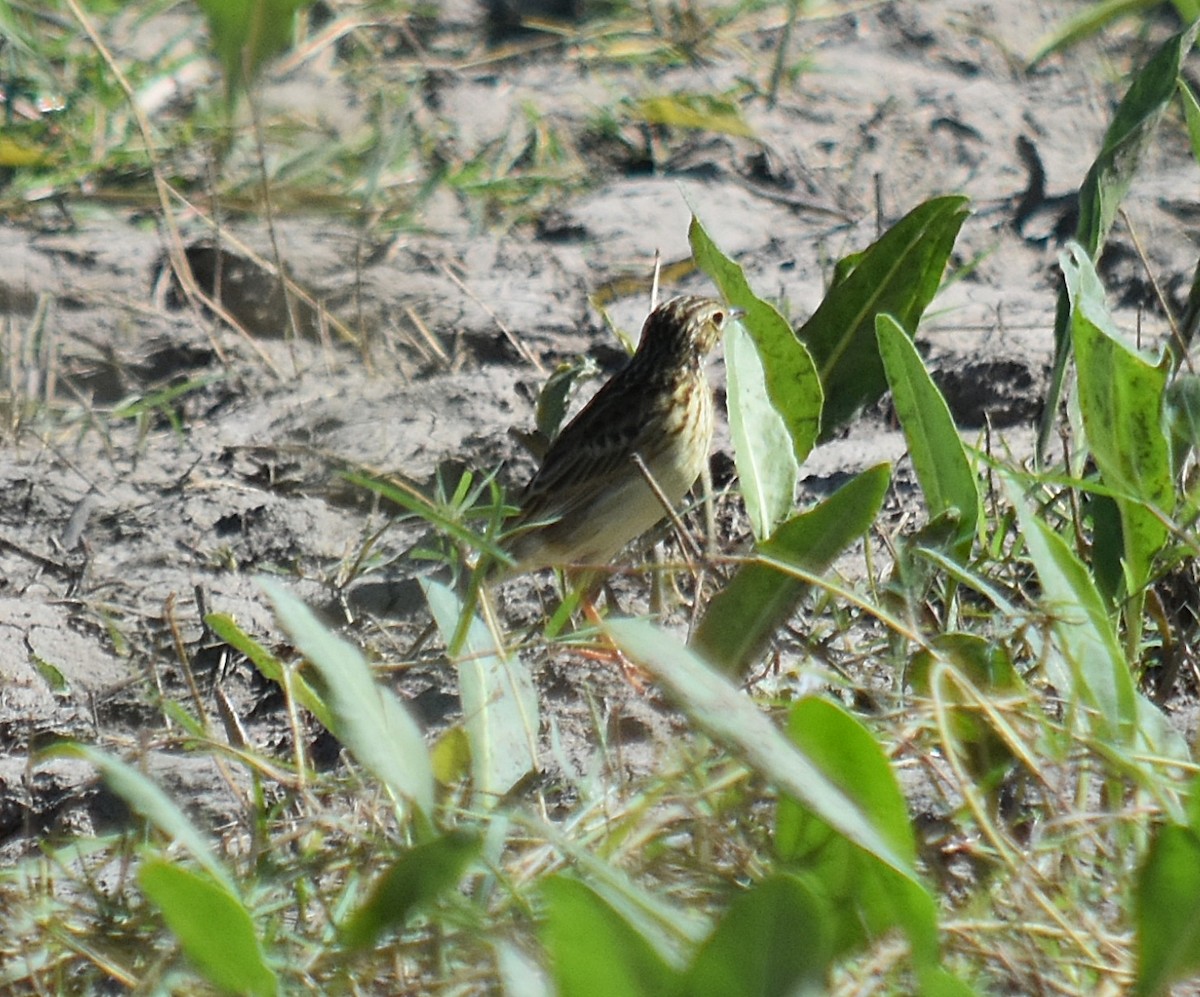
(120, 526)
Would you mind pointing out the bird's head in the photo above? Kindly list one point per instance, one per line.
(688, 326)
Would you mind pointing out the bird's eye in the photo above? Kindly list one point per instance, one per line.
(718, 318)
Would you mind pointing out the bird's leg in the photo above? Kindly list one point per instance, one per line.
(586, 585)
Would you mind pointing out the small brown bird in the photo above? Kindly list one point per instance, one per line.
(590, 498)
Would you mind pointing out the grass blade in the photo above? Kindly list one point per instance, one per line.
(146, 798)
(368, 719)
(1093, 672)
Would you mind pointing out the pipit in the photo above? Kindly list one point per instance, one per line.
(590, 497)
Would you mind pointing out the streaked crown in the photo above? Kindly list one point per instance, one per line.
(682, 331)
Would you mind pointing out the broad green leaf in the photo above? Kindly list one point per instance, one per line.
(1121, 404)
(898, 274)
(775, 938)
(1092, 671)
(741, 619)
(413, 882)
(246, 33)
(268, 666)
(698, 111)
(1133, 126)
(1106, 184)
(594, 952)
(938, 455)
(719, 708)
(1120, 393)
(1167, 905)
(214, 929)
(368, 719)
(792, 382)
(866, 893)
(849, 755)
(1107, 545)
(762, 448)
(147, 799)
(499, 701)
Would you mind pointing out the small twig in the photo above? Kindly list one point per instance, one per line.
(781, 52)
(1177, 337)
(185, 662)
(691, 550)
(513, 339)
(427, 336)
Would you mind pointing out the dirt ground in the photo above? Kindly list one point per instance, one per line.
(121, 526)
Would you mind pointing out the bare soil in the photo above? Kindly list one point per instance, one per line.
(121, 526)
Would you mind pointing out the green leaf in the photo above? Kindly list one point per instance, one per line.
(774, 939)
(413, 882)
(246, 33)
(147, 799)
(1121, 404)
(214, 929)
(499, 701)
(268, 666)
(698, 111)
(792, 382)
(368, 719)
(899, 274)
(762, 448)
(1167, 910)
(594, 952)
(865, 893)
(1087, 22)
(434, 515)
(1107, 183)
(1090, 669)
(725, 714)
(1133, 126)
(741, 619)
(938, 455)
